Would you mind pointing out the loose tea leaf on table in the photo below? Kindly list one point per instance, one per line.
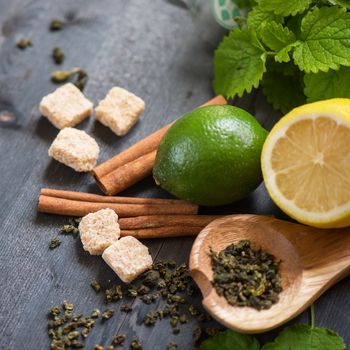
(95, 313)
(114, 293)
(71, 227)
(24, 43)
(136, 344)
(119, 339)
(172, 346)
(56, 24)
(58, 55)
(107, 314)
(78, 76)
(246, 277)
(54, 243)
(96, 285)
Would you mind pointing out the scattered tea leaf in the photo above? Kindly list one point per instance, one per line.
(136, 344)
(56, 24)
(107, 314)
(172, 346)
(60, 76)
(57, 55)
(96, 285)
(114, 293)
(119, 339)
(54, 243)
(95, 313)
(24, 43)
(98, 347)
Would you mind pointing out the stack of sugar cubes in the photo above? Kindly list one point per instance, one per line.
(67, 107)
(100, 235)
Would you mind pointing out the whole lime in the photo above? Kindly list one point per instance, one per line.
(211, 156)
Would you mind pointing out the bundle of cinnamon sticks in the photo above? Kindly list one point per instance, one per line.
(139, 217)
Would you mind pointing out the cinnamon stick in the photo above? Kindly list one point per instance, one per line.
(163, 232)
(134, 163)
(147, 145)
(128, 174)
(154, 221)
(80, 204)
(89, 197)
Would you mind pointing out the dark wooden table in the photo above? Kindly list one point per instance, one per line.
(152, 48)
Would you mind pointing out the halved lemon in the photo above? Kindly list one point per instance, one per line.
(306, 163)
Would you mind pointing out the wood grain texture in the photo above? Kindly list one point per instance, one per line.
(312, 260)
(152, 48)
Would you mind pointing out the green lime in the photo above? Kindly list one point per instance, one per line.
(211, 156)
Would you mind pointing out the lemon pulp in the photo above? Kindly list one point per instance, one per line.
(306, 162)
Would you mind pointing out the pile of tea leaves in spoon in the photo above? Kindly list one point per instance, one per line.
(246, 277)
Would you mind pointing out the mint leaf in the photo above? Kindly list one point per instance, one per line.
(230, 340)
(283, 55)
(239, 63)
(324, 40)
(304, 337)
(257, 17)
(275, 36)
(343, 3)
(279, 39)
(321, 86)
(285, 7)
(283, 91)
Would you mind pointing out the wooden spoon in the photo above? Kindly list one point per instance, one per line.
(312, 260)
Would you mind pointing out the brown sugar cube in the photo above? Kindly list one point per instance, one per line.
(119, 110)
(128, 258)
(75, 148)
(99, 230)
(66, 106)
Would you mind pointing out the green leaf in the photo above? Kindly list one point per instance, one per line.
(279, 39)
(257, 17)
(343, 3)
(285, 7)
(304, 337)
(324, 40)
(321, 86)
(275, 36)
(239, 63)
(230, 340)
(283, 91)
(283, 55)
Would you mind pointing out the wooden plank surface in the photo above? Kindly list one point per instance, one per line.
(152, 48)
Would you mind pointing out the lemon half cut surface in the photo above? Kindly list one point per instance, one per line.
(306, 163)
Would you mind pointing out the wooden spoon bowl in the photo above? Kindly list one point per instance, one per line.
(312, 260)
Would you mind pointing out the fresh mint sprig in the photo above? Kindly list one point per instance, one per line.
(313, 35)
(307, 337)
(297, 337)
